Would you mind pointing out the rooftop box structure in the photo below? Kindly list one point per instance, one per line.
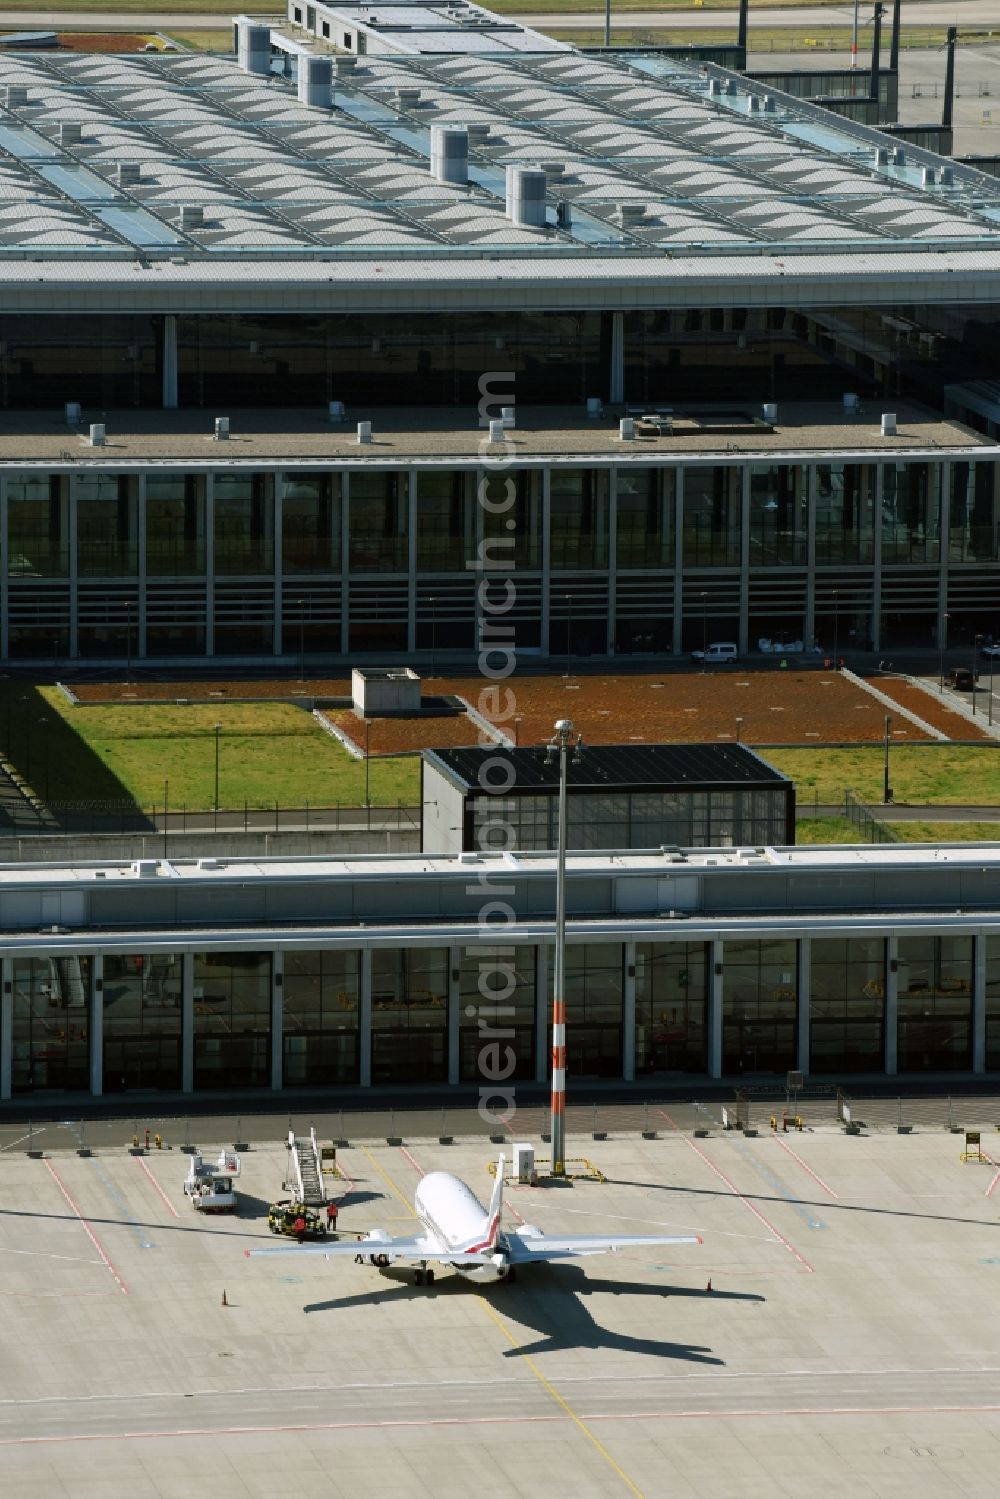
(619, 796)
(380, 691)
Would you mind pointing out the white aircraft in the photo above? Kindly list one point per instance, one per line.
(460, 1232)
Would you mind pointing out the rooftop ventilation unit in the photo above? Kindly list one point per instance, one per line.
(15, 96)
(192, 216)
(98, 434)
(553, 168)
(496, 430)
(253, 47)
(526, 196)
(888, 424)
(221, 432)
(70, 133)
(595, 407)
(564, 213)
(631, 213)
(345, 64)
(74, 413)
(315, 82)
(407, 98)
(769, 413)
(881, 156)
(769, 104)
(337, 411)
(626, 428)
(129, 173)
(753, 104)
(364, 432)
(946, 176)
(449, 154)
(145, 868)
(714, 87)
(898, 157)
(478, 132)
(928, 177)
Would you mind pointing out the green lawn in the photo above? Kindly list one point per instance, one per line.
(825, 830)
(936, 773)
(267, 753)
(947, 832)
(204, 41)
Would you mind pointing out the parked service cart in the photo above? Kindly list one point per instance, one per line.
(297, 1220)
(210, 1186)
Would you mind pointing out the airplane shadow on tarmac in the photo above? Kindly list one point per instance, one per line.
(548, 1301)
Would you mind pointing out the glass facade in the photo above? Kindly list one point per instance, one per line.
(911, 512)
(779, 500)
(712, 516)
(379, 524)
(138, 1042)
(934, 1004)
(244, 523)
(142, 1021)
(671, 999)
(847, 1005)
(594, 1008)
(232, 1020)
(845, 513)
(643, 819)
(579, 519)
(497, 1012)
(175, 525)
(759, 1006)
(311, 523)
(446, 522)
(410, 1015)
(51, 1024)
(38, 526)
(321, 993)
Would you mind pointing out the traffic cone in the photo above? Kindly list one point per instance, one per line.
(226, 1303)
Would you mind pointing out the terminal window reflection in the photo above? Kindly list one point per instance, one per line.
(446, 522)
(410, 1015)
(845, 512)
(38, 526)
(712, 504)
(579, 518)
(142, 1021)
(992, 1004)
(311, 524)
(644, 534)
(934, 1004)
(759, 1007)
(320, 1035)
(244, 523)
(232, 1020)
(51, 1023)
(512, 497)
(496, 1010)
(671, 989)
(974, 518)
(379, 512)
(175, 525)
(911, 512)
(847, 1004)
(778, 501)
(594, 1013)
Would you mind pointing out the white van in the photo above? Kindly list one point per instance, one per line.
(719, 650)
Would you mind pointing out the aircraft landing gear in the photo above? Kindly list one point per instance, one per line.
(423, 1277)
(380, 1261)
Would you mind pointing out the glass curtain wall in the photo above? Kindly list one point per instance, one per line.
(106, 522)
(38, 526)
(232, 1020)
(311, 524)
(778, 505)
(379, 522)
(175, 525)
(845, 513)
(578, 500)
(644, 501)
(244, 524)
(847, 1005)
(142, 1021)
(410, 1015)
(712, 504)
(974, 518)
(911, 512)
(320, 991)
(671, 997)
(594, 1008)
(517, 497)
(446, 522)
(51, 1024)
(496, 1008)
(993, 1004)
(759, 1006)
(934, 1004)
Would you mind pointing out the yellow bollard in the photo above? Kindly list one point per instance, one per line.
(158, 1141)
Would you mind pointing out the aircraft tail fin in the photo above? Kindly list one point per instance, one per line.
(496, 1207)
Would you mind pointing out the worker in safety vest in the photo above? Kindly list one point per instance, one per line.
(331, 1216)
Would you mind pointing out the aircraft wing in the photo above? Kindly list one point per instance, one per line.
(422, 1248)
(527, 1249)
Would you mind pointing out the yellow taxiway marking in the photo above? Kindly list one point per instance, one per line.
(545, 1383)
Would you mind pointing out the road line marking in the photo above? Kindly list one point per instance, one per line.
(391, 1184)
(789, 1413)
(86, 1227)
(989, 1189)
(417, 1169)
(806, 1167)
(737, 1193)
(159, 1189)
(560, 1400)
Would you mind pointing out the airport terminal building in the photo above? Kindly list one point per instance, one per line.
(382, 216)
(378, 972)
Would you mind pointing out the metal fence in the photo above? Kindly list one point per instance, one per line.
(871, 827)
(128, 817)
(750, 1108)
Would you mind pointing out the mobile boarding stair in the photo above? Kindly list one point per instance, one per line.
(304, 1170)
